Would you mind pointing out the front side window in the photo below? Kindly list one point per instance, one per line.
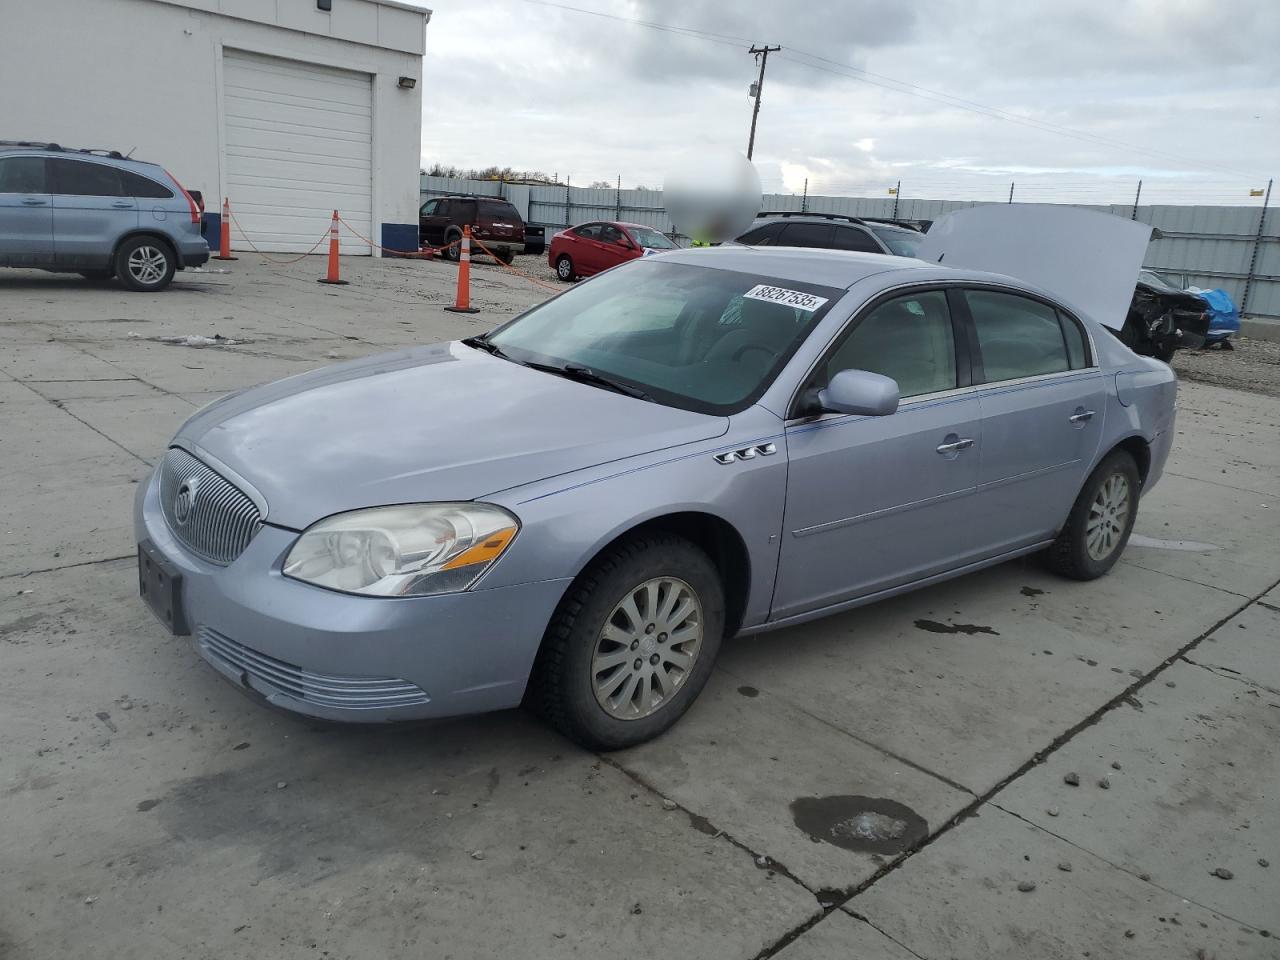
(761, 236)
(694, 337)
(909, 339)
(805, 235)
(589, 232)
(429, 209)
(1017, 337)
(610, 234)
(22, 175)
(78, 178)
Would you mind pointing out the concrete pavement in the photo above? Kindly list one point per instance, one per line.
(150, 810)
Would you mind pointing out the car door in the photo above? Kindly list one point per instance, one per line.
(614, 247)
(90, 211)
(26, 213)
(1042, 399)
(876, 502)
(431, 222)
(805, 235)
(586, 249)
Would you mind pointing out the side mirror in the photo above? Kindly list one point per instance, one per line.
(860, 392)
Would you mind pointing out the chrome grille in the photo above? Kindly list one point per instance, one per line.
(207, 512)
(349, 693)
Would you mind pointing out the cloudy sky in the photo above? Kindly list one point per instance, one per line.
(1069, 100)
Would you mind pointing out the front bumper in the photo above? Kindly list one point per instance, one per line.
(342, 657)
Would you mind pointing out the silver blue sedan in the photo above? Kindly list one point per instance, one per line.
(576, 509)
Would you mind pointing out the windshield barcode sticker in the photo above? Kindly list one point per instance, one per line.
(788, 298)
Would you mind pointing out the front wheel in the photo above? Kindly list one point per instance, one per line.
(1100, 522)
(564, 268)
(145, 264)
(632, 643)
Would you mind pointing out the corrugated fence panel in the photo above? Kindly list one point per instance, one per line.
(1208, 246)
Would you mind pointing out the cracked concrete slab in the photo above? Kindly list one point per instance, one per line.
(838, 936)
(1051, 659)
(960, 897)
(1247, 647)
(1198, 789)
(742, 756)
(152, 787)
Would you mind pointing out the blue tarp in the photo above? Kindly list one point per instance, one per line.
(1224, 318)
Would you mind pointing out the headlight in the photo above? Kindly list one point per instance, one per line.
(414, 550)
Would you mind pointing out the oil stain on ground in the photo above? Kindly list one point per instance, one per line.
(863, 824)
(933, 626)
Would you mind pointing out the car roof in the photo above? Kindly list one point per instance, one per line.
(77, 153)
(836, 268)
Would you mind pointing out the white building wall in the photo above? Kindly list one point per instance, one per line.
(145, 75)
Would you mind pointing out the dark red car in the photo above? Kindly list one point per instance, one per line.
(591, 247)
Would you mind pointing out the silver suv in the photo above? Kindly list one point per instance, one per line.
(96, 213)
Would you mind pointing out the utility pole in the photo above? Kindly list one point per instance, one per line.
(757, 88)
(1136, 197)
(1257, 242)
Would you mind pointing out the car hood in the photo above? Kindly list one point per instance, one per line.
(1088, 260)
(444, 422)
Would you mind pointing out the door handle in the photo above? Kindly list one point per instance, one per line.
(122, 204)
(33, 202)
(962, 444)
(1081, 416)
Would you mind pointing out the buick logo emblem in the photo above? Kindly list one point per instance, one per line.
(184, 500)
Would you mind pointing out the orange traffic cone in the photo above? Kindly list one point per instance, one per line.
(462, 299)
(224, 239)
(332, 275)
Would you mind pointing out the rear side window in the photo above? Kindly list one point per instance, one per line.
(909, 339)
(1077, 349)
(22, 175)
(851, 238)
(1017, 337)
(139, 186)
(805, 235)
(76, 178)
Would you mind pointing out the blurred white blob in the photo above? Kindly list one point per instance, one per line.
(712, 194)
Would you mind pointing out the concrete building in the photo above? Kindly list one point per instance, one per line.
(292, 108)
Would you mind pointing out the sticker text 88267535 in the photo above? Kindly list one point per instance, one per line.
(787, 298)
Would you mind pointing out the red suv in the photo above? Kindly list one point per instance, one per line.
(583, 250)
(494, 222)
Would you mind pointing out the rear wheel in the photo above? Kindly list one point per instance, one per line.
(506, 255)
(145, 264)
(632, 644)
(564, 268)
(1100, 522)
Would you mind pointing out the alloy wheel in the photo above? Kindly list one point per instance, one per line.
(1108, 517)
(147, 264)
(647, 648)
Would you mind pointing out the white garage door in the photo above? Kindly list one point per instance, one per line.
(298, 146)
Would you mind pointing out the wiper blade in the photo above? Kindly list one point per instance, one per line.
(483, 343)
(576, 371)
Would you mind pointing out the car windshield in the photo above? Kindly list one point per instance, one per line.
(498, 210)
(1153, 279)
(651, 238)
(904, 243)
(689, 336)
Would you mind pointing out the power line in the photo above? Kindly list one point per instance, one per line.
(851, 72)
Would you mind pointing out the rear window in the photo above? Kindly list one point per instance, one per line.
(498, 210)
(903, 243)
(805, 235)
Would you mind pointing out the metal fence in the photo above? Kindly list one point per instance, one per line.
(1235, 248)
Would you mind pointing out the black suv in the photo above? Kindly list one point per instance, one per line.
(832, 231)
(493, 221)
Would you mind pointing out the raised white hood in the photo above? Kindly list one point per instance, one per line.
(1088, 260)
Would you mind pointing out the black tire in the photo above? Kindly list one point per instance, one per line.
(1070, 555)
(506, 255)
(156, 253)
(1226, 344)
(453, 252)
(564, 268)
(97, 276)
(561, 687)
(1164, 351)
